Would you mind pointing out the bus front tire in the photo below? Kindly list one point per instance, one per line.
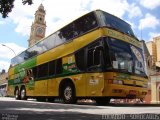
(68, 94)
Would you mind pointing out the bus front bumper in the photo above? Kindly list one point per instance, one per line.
(122, 91)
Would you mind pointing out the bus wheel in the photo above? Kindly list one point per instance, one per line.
(17, 96)
(102, 101)
(23, 94)
(68, 94)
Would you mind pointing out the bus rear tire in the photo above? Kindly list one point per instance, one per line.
(23, 94)
(68, 94)
(17, 96)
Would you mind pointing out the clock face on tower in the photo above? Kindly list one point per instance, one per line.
(39, 31)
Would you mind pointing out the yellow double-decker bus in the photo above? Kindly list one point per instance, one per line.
(97, 56)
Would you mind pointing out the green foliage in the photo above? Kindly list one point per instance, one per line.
(30, 2)
(6, 6)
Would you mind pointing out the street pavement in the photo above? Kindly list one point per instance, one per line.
(11, 109)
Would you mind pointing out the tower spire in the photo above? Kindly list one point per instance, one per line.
(38, 27)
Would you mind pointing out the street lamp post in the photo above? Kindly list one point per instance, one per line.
(7, 75)
(9, 48)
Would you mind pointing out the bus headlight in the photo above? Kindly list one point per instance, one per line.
(120, 82)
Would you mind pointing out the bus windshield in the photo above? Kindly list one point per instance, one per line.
(117, 24)
(126, 57)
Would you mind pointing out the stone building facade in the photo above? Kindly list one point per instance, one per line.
(3, 83)
(154, 72)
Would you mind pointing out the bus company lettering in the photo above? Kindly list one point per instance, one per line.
(120, 36)
(115, 34)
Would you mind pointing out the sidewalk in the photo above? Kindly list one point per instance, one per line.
(133, 105)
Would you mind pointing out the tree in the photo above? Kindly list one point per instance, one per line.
(6, 6)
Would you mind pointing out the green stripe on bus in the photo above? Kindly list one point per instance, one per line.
(27, 64)
(14, 82)
(11, 82)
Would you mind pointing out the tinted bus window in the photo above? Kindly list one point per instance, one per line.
(74, 29)
(95, 56)
(52, 68)
(34, 70)
(66, 33)
(117, 23)
(84, 24)
(49, 42)
(43, 70)
(32, 52)
(80, 59)
(59, 66)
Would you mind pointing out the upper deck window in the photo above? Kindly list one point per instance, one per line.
(85, 24)
(76, 28)
(118, 24)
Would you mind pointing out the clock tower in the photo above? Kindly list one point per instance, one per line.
(38, 27)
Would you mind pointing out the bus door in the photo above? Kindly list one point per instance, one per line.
(94, 75)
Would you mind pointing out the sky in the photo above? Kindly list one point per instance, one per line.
(142, 15)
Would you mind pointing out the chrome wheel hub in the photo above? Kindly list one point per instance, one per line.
(17, 94)
(23, 93)
(68, 93)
